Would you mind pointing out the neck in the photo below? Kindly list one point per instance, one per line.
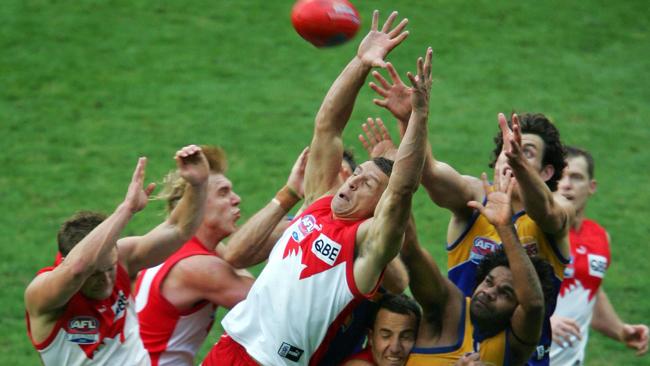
(578, 219)
(210, 238)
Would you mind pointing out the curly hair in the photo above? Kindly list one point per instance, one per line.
(554, 153)
(174, 185)
(543, 269)
(74, 229)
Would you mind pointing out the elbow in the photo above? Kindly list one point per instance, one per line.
(535, 305)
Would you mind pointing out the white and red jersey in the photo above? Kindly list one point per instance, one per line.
(582, 278)
(305, 290)
(95, 332)
(171, 337)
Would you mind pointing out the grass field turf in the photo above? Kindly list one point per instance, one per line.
(88, 86)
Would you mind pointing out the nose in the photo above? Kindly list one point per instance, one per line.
(235, 199)
(394, 347)
(491, 293)
(564, 183)
(353, 182)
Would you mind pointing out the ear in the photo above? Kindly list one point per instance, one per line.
(547, 172)
(592, 186)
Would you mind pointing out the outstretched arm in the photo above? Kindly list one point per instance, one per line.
(436, 294)
(139, 252)
(606, 321)
(250, 244)
(50, 291)
(445, 186)
(551, 212)
(527, 319)
(380, 239)
(334, 113)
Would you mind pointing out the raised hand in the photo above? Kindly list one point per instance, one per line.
(565, 331)
(136, 196)
(497, 209)
(636, 337)
(377, 141)
(421, 83)
(378, 43)
(512, 140)
(192, 164)
(297, 175)
(397, 96)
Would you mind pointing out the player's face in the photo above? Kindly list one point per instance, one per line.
(575, 185)
(222, 206)
(359, 194)
(392, 338)
(99, 285)
(494, 299)
(533, 150)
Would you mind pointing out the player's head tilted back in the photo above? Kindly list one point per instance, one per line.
(357, 198)
(494, 300)
(100, 284)
(541, 147)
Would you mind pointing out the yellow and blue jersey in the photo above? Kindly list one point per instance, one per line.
(481, 238)
(493, 349)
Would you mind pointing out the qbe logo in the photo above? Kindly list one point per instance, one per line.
(597, 265)
(326, 249)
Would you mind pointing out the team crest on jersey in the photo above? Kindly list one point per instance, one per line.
(597, 265)
(305, 226)
(530, 245)
(482, 247)
(119, 307)
(83, 330)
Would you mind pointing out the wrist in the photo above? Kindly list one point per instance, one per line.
(286, 198)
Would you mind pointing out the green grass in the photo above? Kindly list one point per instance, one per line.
(88, 86)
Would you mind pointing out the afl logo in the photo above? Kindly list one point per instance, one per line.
(83, 324)
(306, 225)
(482, 247)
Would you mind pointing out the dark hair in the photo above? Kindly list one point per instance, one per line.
(385, 165)
(400, 304)
(76, 228)
(348, 157)
(575, 152)
(543, 268)
(554, 154)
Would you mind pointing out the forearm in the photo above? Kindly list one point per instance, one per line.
(407, 170)
(249, 245)
(605, 320)
(94, 250)
(526, 283)
(337, 106)
(538, 199)
(188, 213)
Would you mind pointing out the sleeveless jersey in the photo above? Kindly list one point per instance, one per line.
(305, 291)
(481, 238)
(590, 259)
(171, 337)
(493, 350)
(95, 332)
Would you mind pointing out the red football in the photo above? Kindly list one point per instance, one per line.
(325, 23)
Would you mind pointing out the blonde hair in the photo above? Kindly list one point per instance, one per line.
(174, 185)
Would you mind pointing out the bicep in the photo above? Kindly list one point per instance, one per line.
(52, 290)
(151, 249)
(222, 285)
(323, 165)
(449, 189)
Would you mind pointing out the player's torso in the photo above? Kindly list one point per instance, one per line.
(96, 332)
(590, 258)
(305, 290)
(493, 350)
(171, 336)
